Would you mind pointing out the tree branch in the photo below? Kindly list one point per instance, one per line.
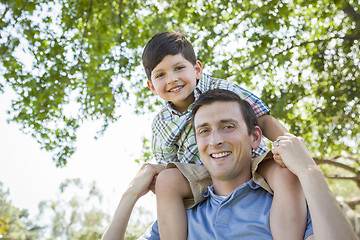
(86, 27)
(336, 164)
(120, 20)
(6, 10)
(350, 11)
(338, 177)
(347, 37)
(352, 203)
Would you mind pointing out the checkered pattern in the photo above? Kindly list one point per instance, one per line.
(173, 138)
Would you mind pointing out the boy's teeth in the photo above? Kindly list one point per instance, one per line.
(219, 155)
(174, 89)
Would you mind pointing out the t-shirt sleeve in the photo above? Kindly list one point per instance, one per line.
(152, 233)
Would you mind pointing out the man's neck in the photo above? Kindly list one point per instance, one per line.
(225, 187)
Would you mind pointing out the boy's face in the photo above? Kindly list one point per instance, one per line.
(174, 80)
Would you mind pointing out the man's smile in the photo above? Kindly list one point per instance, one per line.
(220, 154)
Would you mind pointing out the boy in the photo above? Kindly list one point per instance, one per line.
(176, 76)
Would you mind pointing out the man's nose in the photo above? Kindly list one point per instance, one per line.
(216, 139)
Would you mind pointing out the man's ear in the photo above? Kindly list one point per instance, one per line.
(198, 69)
(152, 88)
(255, 137)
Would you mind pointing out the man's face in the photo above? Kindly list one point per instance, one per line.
(223, 141)
(174, 80)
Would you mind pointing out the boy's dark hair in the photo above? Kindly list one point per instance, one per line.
(163, 44)
(222, 95)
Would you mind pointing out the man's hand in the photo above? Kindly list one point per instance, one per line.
(293, 152)
(145, 179)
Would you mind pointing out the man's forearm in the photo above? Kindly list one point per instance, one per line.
(139, 186)
(118, 225)
(327, 218)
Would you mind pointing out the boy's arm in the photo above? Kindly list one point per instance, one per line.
(163, 152)
(139, 186)
(328, 220)
(271, 127)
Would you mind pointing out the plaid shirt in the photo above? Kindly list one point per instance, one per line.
(173, 139)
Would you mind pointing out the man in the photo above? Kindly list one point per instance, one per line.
(236, 207)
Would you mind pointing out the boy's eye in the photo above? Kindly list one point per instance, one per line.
(179, 68)
(159, 75)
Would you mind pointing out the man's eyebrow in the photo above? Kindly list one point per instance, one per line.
(228, 120)
(205, 124)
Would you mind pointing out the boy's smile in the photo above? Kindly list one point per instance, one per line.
(174, 80)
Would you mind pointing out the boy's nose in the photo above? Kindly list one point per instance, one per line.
(171, 77)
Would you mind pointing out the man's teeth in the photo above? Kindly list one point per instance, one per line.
(219, 155)
(175, 89)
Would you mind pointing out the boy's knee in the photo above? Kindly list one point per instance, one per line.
(286, 179)
(169, 179)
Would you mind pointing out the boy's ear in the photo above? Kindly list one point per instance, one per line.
(255, 137)
(151, 86)
(198, 69)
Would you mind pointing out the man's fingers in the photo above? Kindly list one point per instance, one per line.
(153, 168)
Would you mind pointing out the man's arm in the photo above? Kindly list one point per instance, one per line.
(140, 185)
(328, 220)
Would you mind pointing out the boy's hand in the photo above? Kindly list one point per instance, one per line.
(145, 179)
(277, 157)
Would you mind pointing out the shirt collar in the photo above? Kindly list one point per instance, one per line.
(242, 189)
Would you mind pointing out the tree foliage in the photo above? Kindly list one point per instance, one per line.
(83, 62)
(15, 222)
(75, 214)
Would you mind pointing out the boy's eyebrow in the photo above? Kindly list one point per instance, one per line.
(177, 63)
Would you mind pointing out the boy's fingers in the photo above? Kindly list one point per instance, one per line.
(152, 184)
(278, 159)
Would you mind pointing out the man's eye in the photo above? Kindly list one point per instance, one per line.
(229, 126)
(202, 131)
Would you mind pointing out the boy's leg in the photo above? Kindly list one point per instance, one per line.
(171, 189)
(288, 210)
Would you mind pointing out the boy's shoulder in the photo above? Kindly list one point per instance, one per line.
(163, 113)
(164, 116)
